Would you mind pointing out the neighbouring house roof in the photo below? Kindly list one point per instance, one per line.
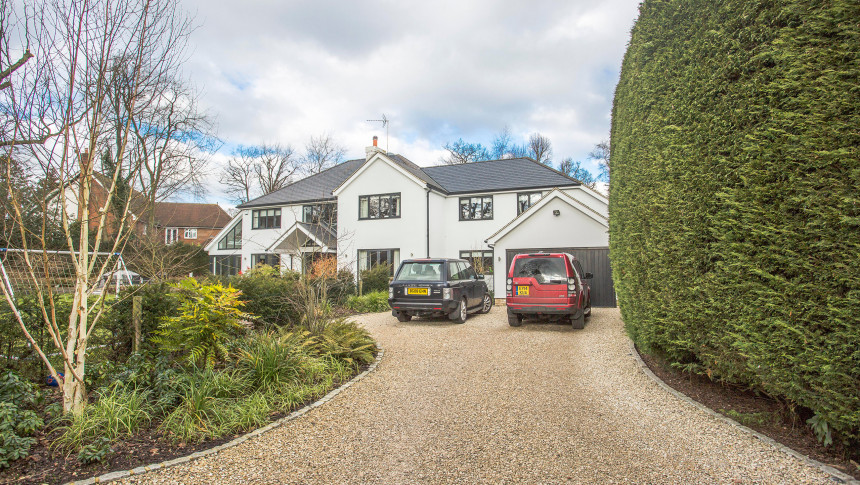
(183, 214)
(496, 175)
(317, 187)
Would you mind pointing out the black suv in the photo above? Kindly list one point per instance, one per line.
(436, 287)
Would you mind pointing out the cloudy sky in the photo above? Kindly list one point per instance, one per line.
(282, 71)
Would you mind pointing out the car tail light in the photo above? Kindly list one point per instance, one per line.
(446, 293)
(571, 286)
(510, 286)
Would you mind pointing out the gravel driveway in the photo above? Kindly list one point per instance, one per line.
(484, 402)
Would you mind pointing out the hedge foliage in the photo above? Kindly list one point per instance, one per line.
(735, 196)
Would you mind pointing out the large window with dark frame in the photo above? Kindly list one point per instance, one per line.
(476, 208)
(233, 238)
(266, 219)
(370, 258)
(482, 261)
(320, 214)
(226, 265)
(526, 200)
(273, 260)
(381, 206)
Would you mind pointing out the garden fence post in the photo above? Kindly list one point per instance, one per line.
(136, 304)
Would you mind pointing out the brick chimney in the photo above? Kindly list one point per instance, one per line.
(373, 149)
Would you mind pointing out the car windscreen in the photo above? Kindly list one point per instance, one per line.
(420, 272)
(544, 270)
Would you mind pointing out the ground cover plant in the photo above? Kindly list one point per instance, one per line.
(375, 301)
(207, 370)
(735, 209)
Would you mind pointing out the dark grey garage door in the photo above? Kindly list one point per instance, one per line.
(593, 260)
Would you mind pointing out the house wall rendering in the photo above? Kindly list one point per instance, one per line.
(389, 209)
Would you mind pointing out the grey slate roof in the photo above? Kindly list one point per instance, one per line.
(475, 177)
(415, 170)
(493, 175)
(310, 189)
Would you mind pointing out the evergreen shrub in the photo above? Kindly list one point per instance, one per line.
(376, 278)
(735, 196)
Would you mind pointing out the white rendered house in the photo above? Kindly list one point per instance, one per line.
(385, 208)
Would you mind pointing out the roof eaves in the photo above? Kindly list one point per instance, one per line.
(248, 205)
(555, 193)
(513, 189)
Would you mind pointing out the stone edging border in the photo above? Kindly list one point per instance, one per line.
(118, 475)
(836, 475)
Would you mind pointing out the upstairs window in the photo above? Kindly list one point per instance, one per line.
(476, 208)
(382, 206)
(190, 234)
(266, 219)
(171, 235)
(526, 200)
(320, 214)
(233, 238)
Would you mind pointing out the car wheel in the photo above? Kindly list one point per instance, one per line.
(514, 320)
(577, 320)
(486, 304)
(459, 315)
(404, 317)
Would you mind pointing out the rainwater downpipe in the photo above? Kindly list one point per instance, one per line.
(428, 220)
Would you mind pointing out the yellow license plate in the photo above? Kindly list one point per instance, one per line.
(417, 291)
(522, 290)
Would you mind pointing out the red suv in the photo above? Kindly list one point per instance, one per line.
(548, 284)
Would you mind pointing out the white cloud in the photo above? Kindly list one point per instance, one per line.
(283, 71)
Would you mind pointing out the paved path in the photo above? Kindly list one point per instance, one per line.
(486, 403)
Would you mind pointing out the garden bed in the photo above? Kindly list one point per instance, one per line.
(765, 415)
(148, 446)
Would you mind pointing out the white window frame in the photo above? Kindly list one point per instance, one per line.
(171, 235)
(190, 233)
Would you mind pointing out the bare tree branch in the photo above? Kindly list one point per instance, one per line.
(540, 148)
(321, 152)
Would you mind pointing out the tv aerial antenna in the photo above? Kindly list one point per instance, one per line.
(384, 122)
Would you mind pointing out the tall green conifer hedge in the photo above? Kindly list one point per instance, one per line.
(735, 195)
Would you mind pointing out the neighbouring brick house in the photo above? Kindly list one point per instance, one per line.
(191, 223)
(188, 222)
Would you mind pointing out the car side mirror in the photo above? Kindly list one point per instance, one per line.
(588, 276)
(480, 276)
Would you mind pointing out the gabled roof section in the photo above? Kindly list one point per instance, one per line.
(320, 234)
(315, 188)
(183, 214)
(399, 163)
(497, 175)
(554, 194)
